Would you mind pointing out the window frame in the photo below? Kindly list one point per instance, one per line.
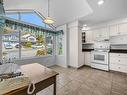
(20, 51)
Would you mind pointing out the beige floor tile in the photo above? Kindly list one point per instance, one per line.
(116, 93)
(101, 91)
(88, 81)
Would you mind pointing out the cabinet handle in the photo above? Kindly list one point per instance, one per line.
(119, 60)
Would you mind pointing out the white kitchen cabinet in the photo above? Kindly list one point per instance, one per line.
(118, 62)
(118, 29)
(118, 55)
(87, 56)
(113, 30)
(96, 34)
(104, 33)
(119, 68)
(89, 36)
(122, 28)
(101, 34)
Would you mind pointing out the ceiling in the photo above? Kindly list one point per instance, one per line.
(112, 9)
(65, 11)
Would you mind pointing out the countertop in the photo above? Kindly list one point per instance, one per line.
(87, 50)
(118, 51)
(111, 50)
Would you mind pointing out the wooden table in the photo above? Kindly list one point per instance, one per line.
(40, 75)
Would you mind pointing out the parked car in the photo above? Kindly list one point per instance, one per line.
(8, 46)
(17, 46)
(38, 46)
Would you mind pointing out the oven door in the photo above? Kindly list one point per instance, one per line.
(99, 57)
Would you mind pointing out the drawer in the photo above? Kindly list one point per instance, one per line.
(118, 55)
(118, 60)
(120, 68)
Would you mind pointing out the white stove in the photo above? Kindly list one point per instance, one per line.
(100, 56)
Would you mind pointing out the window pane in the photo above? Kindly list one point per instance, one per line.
(35, 44)
(59, 43)
(9, 46)
(34, 41)
(32, 18)
(48, 27)
(49, 43)
(14, 16)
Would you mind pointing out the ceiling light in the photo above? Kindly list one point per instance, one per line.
(84, 25)
(48, 20)
(100, 2)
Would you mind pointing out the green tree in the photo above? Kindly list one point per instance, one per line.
(40, 40)
(28, 44)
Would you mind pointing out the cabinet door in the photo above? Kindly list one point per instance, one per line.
(88, 58)
(123, 28)
(96, 34)
(101, 34)
(120, 68)
(89, 36)
(113, 30)
(104, 33)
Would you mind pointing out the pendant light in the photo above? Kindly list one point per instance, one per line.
(48, 20)
(100, 2)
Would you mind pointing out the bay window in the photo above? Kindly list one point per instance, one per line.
(24, 38)
(59, 39)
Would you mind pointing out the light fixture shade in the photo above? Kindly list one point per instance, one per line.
(49, 20)
(100, 2)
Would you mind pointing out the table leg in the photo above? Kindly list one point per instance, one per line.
(54, 93)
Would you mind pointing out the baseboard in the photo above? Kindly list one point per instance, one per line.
(118, 72)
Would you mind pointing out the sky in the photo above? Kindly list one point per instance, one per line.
(28, 17)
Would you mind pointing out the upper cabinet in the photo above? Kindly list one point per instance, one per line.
(122, 28)
(96, 34)
(89, 36)
(106, 31)
(113, 30)
(101, 34)
(118, 29)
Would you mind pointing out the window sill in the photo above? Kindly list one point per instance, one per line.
(34, 57)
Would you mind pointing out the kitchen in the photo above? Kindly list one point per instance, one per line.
(49, 49)
(110, 38)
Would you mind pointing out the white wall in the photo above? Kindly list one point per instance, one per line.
(62, 60)
(76, 57)
(80, 53)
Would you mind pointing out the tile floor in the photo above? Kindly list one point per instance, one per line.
(87, 81)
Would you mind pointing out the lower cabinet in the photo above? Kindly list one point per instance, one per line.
(87, 58)
(117, 67)
(118, 62)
